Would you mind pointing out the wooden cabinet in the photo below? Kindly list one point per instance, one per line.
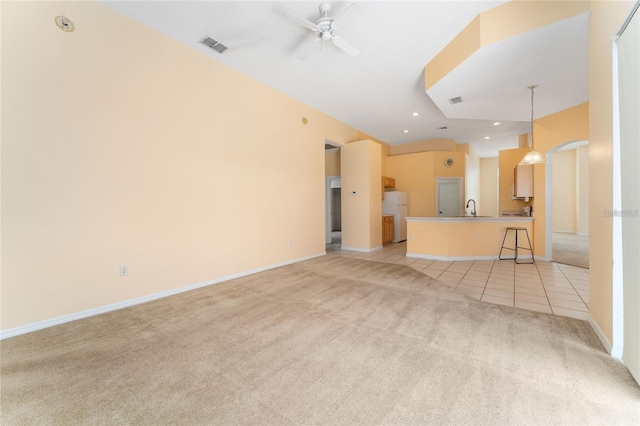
(388, 182)
(523, 181)
(387, 229)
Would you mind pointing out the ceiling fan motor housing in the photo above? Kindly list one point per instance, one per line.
(325, 28)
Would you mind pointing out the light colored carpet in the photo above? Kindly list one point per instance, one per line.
(328, 341)
(571, 249)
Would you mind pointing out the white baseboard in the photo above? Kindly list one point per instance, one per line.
(542, 258)
(603, 338)
(451, 258)
(28, 328)
(462, 258)
(362, 250)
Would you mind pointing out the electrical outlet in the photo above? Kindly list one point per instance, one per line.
(124, 270)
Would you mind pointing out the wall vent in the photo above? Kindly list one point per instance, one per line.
(455, 100)
(215, 45)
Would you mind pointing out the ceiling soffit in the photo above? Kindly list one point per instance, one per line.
(472, 65)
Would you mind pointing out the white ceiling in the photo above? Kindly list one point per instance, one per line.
(378, 91)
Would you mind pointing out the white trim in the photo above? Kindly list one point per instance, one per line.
(542, 258)
(617, 311)
(603, 338)
(471, 219)
(548, 193)
(28, 328)
(450, 258)
(463, 258)
(362, 250)
(548, 203)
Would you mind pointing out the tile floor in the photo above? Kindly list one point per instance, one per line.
(543, 286)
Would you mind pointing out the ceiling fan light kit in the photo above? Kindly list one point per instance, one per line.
(325, 29)
(533, 156)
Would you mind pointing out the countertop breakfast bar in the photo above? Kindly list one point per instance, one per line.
(463, 238)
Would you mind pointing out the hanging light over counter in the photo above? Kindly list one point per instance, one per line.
(533, 156)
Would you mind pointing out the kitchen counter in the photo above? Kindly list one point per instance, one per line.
(461, 238)
(471, 219)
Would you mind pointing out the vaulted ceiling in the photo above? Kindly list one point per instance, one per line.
(379, 91)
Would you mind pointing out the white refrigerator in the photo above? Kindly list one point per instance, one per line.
(395, 203)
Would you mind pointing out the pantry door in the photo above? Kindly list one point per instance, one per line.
(449, 197)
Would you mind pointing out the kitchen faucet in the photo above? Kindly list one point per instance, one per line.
(473, 211)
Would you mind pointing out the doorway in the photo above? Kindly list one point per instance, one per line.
(567, 204)
(333, 212)
(332, 198)
(449, 196)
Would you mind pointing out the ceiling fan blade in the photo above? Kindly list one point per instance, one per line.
(351, 13)
(308, 47)
(296, 19)
(349, 48)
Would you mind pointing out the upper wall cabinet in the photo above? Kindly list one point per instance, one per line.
(388, 182)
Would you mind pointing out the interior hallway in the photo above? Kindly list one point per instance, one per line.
(548, 287)
(571, 249)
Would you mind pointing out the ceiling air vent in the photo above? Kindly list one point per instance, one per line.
(217, 46)
(455, 100)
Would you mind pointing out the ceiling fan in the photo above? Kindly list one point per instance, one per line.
(325, 29)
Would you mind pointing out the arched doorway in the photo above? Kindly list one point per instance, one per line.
(567, 204)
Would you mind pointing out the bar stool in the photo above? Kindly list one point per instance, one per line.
(516, 247)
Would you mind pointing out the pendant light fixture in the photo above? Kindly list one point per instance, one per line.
(533, 156)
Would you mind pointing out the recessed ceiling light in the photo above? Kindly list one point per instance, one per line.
(406, 131)
(487, 137)
(497, 123)
(415, 114)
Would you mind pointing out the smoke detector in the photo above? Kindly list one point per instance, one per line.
(455, 100)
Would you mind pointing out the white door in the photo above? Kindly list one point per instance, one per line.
(449, 196)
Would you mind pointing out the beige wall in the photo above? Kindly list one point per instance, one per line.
(461, 240)
(413, 174)
(488, 205)
(508, 159)
(552, 131)
(472, 178)
(605, 21)
(582, 190)
(564, 191)
(361, 196)
(122, 146)
(416, 174)
(332, 162)
(423, 146)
